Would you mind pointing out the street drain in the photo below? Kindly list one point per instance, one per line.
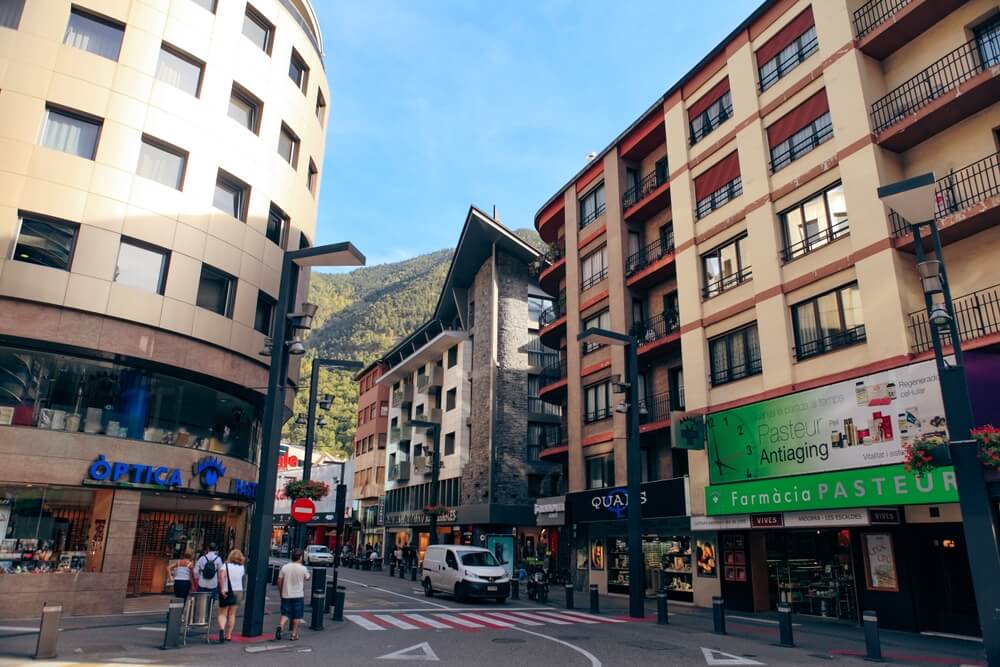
(508, 640)
(650, 645)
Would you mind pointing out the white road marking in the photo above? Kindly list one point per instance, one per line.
(948, 635)
(363, 622)
(482, 618)
(545, 619)
(590, 617)
(751, 619)
(426, 653)
(261, 648)
(716, 657)
(512, 618)
(594, 662)
(398, 622)
(566, 617)
(427, 620)
(151, 628)
(408, 597)
(15, 628)
(458, 620)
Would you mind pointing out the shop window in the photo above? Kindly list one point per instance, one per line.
(97, 34)
(245, 108)
(180, 70)
(258, 29)
(142, 266)
(734, 355)
(216, 291)
(161, 162)
(45, 242)
(828, 322)
(49, 529)
(600, 471)
(10, 13)
(71, 132)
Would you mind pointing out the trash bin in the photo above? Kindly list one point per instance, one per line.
(199, 614)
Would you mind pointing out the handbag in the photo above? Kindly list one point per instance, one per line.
(228, 599)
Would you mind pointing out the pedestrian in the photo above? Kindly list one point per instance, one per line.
(397, 556)
(182, 573)
(291, 586)
(207, 569)
(230, 581)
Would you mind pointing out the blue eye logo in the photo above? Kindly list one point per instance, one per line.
(210, 469)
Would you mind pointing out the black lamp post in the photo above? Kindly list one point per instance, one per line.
(435, 432)
(915, 199)
(284, 342)
(633, 460)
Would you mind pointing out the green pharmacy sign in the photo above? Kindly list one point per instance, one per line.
(866, 487)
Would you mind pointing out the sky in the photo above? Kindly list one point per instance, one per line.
(439, 104)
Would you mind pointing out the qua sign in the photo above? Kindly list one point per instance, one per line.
(664, 498)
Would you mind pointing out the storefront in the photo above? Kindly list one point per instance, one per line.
(552, 550)
(323, 527)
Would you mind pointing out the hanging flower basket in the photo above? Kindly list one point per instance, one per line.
(988, 439)
(924, 454)
(312, 489)
(435, 510)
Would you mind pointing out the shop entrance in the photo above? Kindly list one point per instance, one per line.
(811, 570)
(945, 597)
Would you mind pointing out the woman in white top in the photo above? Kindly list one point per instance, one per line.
(181, 573)
(230, 579)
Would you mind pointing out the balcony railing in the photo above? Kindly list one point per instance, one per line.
(873, 13)
(719, 198)
(537, 406)
(402, 395)
(796, 149)
(552, 435)
(539, 359)
(977, 314)
(597, 415)
(710, 122)
(553, 312)
(643, 257)
(553, 372)
(592, 216)
(734, 372)
(942, 76)
(657, 407)
(727, 282)
(959, 190)
(434, 378)
(593, 279)
(422, 465)
(837, 230)
(656, 327)
(817, 346)
(401, 433)
(400, 471)
(644, 188)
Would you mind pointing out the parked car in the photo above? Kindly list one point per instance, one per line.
(317, 554)
(465, 572)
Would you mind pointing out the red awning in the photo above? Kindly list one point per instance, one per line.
(785, 36)
(797, 118)
(709, 98)
(722, 172)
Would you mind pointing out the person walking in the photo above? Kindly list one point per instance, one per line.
(182, 573)
(207, 569)
(291, 586)
(230, 581)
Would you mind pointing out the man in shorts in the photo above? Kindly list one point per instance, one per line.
(292, 587)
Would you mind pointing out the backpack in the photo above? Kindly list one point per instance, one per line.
(209, 571)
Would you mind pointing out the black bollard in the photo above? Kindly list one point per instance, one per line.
(515, 589)
(402, 572)
(338, 603)
(328, 600)
(413, 573)
(318, 597)
(785, 624)
(392, 569)
(719, 615)
(172, 636)
(873, 645)
(595, 601)
(569, 595)
(661, 608)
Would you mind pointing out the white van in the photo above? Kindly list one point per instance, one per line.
(465, 572)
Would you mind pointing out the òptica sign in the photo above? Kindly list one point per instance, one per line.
(119, 472)
(864, 487)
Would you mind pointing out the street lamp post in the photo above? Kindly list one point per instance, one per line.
(435, 431)
(293, 261)
(915, 199)
(636, 589)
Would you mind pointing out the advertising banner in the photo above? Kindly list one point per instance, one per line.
(852, 424)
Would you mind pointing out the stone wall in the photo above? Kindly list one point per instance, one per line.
(476, 474)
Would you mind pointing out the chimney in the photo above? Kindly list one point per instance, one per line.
(496, 216)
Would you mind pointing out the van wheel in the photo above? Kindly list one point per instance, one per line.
(459, 593)
(428, 589)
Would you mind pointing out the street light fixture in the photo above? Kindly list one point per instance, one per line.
(435, 430)
(915, 199)
(636, 589)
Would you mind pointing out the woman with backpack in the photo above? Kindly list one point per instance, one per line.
(230, 593)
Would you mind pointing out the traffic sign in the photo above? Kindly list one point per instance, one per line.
(303, 510)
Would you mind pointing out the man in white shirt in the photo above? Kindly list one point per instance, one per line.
(206, 583)
(291, 587)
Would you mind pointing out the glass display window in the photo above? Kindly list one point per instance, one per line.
(49, 529)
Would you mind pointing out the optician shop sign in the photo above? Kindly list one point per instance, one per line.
(668, 497)
(852, 424)
(206, 474)
(884, 485)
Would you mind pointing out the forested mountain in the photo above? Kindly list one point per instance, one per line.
(361, 315)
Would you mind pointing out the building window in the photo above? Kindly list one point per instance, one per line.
(594, 268)
(311, 177)
(10, 13)
(452, 356)
(71, 132)
(718, 198)
(734, 355)
(600, 471)
(726, 267)
(592, 206)
(788, 58)
(704, 120)
(536, 484)
(180, 70)
(288, 146)
(258, 29)
(161, 162)
(231, 196)
(450, 399)
(245, 108)
(320, 107)
(828, 321)
(216, 291)
(802, 142)
(264, 315)
(277, 224)
(718, 185)
(449, 444)
(45, 242)
(597, 402)
(298, 72)
(142, 266)
(815, 222)
(97, 34)
(536, 305)
(599, 321)
(988, 41)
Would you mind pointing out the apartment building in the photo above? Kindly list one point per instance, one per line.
(736, 231)
(156, 159)
(370, 440)
(472, 369)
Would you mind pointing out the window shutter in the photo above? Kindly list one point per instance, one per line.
(785, 36)
(724, 171)
(709, 98)
(797, 118)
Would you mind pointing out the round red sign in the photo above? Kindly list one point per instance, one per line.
(303, 510)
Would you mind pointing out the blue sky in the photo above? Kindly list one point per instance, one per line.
(437, 104)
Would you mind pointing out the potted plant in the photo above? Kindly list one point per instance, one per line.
(924, 454)
(311, 489)
(988, 439)
(435, 510)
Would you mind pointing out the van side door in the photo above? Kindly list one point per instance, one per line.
(451, 573)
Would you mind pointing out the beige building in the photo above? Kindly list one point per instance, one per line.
(735, 230)
(156, 158)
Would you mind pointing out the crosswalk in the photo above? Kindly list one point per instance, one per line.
(474, 620)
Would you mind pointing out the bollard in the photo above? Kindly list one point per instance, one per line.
(873, 645)
(543, 593)
(413, 573)
(595, 602)
(48, 631)
(515, 589)
(569, 596)
(661, 609)
(172, 636)
(338, 603)
(328, 600)
(402, 572)
(785, 624)
(318, 597)
(392, 569)
(719, 615)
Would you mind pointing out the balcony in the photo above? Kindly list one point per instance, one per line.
(652, 264)
(432, 415)
(882, 27)
(657, 332)
(427, 381)
(968, 201)
(551, 443)
(591, 217)
(593, 279)
(537, 407)
(654, 411)
(553, 381)
(402, 433)
(549, 276)
(977, 315)
(725, 283)
(949, 90)
(552, 321)
(647, 197)
(823, 344)
(399, 471)
(402, 395)
(422, 465)
(541, 358)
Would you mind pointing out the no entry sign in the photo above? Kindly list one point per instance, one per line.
(303, 510)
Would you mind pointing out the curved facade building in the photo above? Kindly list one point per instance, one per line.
(155, 160)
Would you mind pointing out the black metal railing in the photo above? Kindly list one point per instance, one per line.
(645, 187)
(593, 215)
(735, 372)
(710, 122)
(817, 346)
(873, 13)
(656, 327)
(781, 159)
(959, 190)
(597, 415)
(720, 197)
(837, 230)
(656, 408)
(553, 312)
(724, 283)
(541, 359)
(553, 373)
(552, 435)
(593, 279)
(944, 75)
(643, 257)
(537, 406)
(977, 314)
(806, 47)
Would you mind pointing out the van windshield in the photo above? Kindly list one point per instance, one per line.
(479, 559)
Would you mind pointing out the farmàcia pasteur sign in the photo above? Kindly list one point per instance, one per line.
(841, 489)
